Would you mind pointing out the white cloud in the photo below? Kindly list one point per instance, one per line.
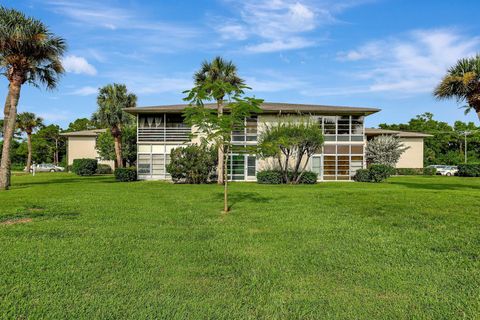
(411, 64)
(85, 91)
(280, 45)
(78, 65)
(279, 25)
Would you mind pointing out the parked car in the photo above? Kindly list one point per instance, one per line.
(445, 170)
(46, 167)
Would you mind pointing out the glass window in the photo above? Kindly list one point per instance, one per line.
(143, 164)
(329, 149)
(317, 164)
(343, 149)
(357, 125)
(329, 125)
(344, 125)
(251, 166)
(357, 149)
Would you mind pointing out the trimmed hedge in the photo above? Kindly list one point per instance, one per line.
(308, 177)
(126, 174)
(270, 177)
(469, 170)
(84, 167)
(429, 171)
(375, 173)
(104, 169)
(362, 175)
(276, 177)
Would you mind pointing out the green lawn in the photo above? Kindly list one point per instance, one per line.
(408, 248)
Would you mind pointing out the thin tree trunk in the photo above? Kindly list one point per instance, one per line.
(9, 130)
(29, 149)
(118, 151)
(220, 166)
(225, 184)
(6, 110)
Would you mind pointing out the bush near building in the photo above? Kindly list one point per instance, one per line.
(84, 167)
(277, 177)
(126, 174)
(469, 170)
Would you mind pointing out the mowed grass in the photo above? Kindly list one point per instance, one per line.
(94, 248)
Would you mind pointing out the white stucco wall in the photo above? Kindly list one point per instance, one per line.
(413, 156)
(84, 147)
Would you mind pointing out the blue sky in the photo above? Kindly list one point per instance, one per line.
(380, 53)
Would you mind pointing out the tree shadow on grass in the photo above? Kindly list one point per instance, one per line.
(91, 179)
(436, 186)
(239, 197)
(38, 212)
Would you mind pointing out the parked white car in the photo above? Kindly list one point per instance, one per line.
(445, 170)
(46, 167)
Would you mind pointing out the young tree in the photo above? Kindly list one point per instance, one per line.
(218, 128)
(290, 141)
(29, 53)
(28, 122)
(462, 82)
(111, 100)
(225, 71)
(385, 150)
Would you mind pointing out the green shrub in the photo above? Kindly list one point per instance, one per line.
(408, 171)
(277, 177)
(126, 174)
(192, 164)
(362, 175)
(380, 172)
(17, 167)
(270, 177)
(104, 169)
(469, 170)
(308, 177)
(429, 171)
(84, 167)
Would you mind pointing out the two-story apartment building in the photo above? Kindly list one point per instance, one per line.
(161, 128)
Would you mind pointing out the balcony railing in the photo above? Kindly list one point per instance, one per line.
(174, 134)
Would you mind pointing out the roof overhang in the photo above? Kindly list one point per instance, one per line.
(268, 108)
(371, 132)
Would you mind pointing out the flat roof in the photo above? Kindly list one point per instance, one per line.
(267, 107)
(402, 134)
(84, 133)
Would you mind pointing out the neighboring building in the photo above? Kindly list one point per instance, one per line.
(81, 144)
(413, 156)
(161, 128)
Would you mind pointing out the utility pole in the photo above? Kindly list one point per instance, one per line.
(466, 133)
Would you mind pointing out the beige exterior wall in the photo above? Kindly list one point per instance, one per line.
(84, 147)
(413, 156)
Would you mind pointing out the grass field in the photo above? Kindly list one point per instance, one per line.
(93, 248)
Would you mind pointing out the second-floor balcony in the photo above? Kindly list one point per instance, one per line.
(163, 128)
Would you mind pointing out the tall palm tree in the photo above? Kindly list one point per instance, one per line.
(28, 122)
(111, 100)
(29, 53)
(226, 71)
(462, 82)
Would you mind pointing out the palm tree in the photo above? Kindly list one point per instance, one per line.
(219, 70)
(462, 82)
(29, 53)
(28, 122)
(111, 100)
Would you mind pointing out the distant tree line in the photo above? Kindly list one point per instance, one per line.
(447, 146)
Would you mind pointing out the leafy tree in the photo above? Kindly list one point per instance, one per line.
(462, 82)
(28, 122)
(81, 124)
(193, 164)
(224, 71)
(216, 127)
(29, 53)
(105, 145)
(290, 141)
(385, 150)
(111, 100)
(56, 144)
